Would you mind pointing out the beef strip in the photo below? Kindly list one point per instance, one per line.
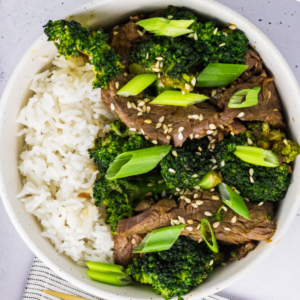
(259, 228)
(135, 116)
(123, 249)
(243, 250)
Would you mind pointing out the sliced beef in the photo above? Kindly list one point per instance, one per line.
(243, 250)
(145, 204)
(160, 123)
(234, 229)
(125, 37)
(123, 249)
(255, 66)
(268, 107)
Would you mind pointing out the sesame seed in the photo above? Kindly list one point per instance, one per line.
(195, 36)
(187, 200)
(170, 125)
(275, 109)
(191, 35)
(225, 208)
(158, 75)
(165, 126)
(172, 222)
(251, 171)
(132, 129)
(146, 138)
(157, 64)
(148, 121)
(158, 125)
(182, 92)
(194, 81)
(189, 228)
(194, 205)
(221, 45)
(214, 167)
(154, 142)
(168, 137)
(241, 114)
(128, 104)
(116, 27)
(159, 58)
(222, 163)
(221, 126)
(139, 109)
(247, 199)
(180, 129)
(147, 55)
(161, 119)
(112, 107)
(237, 191)
(251, 179)
(198, 153)
(224, 264)
(148, 109)
(197, 187)
(260, 204)
(115, 33)
(125, 74)
(148, 194)
(117, 85)
(170, 17)
(232, 133)
(140, 32)
(178, 189)
(172, 171)
(195, 176)
(197, 136)
(191, 136)
(200, 117)
(209, 131)
(170, 130)
(195, 196)
(216, 30)
(199, 225)
(213, 92)
(141, 103)
(176, 222)
(207, 213)
(190, 221)
(187, 86)
(226, 228)
(225, 33)
(249, 141)
(216, 224)
(199, 202)
(200, 240)
(151, 184)
(233, 220)
(285, 141)
(133, 105)
(133, 241)
(215, 198)
(180, 136)
(181, 220)
(164, 193)
(156, 69)
(232, 27)
(211, 262)
(269, 94)
(212, 126)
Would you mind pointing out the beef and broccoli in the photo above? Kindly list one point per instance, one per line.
(198, 148)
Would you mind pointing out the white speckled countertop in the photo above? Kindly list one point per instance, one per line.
(277, 278)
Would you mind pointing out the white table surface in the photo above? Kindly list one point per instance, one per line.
(21, 21)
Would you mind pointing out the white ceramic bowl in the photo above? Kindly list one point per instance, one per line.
(16, 94)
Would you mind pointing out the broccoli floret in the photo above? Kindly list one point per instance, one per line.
(176, 271)
(181, 53)
(122, 195)
(269, 184)
(118, 140)
(71, 39)
(263, 136)
(192, 162)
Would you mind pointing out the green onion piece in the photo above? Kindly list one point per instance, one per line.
(257, 156)
(159, 239)
(110, 278)
(137, 85)
(215, 75)
(244, 98)
(104, 268)
(136, 162)
(210, 180)
(162, 26)
(176, 98)
(233, 200)
(214, 246)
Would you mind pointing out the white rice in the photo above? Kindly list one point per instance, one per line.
(62, 120)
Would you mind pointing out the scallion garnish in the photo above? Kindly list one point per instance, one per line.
(233, 200)
(136, 162)
(244, 98)
(162, 26)
(137, 85)
(159, 239)
(110, 278)
(178, 99)
(214, 246)
(257, 156)
(210, 180)
(103, 267)
(216, 74)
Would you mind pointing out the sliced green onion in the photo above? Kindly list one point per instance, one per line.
(233, 200)
(244, 98)
(215, 75)
(176, 98)
(104, 268)
(214, 246)
(110, 278)
(136, 162)
(210, 180)
(159, 239)
(257, 156)
(162, 26)
(137, 85)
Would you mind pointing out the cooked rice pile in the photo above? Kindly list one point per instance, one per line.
(62, 120)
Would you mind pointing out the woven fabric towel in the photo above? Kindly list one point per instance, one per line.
(42, 278)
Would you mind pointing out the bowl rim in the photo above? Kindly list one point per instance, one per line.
(93, 290)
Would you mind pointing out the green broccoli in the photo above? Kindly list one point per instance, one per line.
(191, 162)
(176, 271)
(119, 140)
(121, 196)
(267, 184)
(263, 136)
(71, 39)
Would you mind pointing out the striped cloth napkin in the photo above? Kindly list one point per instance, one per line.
(42, 278)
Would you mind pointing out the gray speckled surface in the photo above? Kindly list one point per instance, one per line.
(21, 23)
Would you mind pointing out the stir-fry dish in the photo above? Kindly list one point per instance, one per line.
(194, 156)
